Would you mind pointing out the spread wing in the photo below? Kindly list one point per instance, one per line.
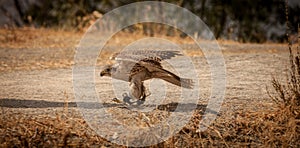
(138, 55)
(135, 61)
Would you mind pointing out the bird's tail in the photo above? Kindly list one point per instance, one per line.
(187, 83)
(174, 79)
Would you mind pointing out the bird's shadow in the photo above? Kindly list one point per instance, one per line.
(170, 107)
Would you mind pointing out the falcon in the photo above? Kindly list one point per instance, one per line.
(139, 65)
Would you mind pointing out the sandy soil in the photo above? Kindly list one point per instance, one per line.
(249, 69)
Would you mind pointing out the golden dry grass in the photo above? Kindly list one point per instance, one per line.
(244, 128)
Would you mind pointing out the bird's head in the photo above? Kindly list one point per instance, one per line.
(106, 71)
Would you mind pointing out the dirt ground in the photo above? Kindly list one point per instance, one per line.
(36, 85)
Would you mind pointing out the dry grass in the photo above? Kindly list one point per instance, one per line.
(42, 38)
(243, 128)
(288, 97)
(18, 130)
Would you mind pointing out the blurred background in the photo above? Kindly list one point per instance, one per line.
(238, 20)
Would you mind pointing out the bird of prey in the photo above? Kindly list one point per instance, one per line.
(139, 65)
